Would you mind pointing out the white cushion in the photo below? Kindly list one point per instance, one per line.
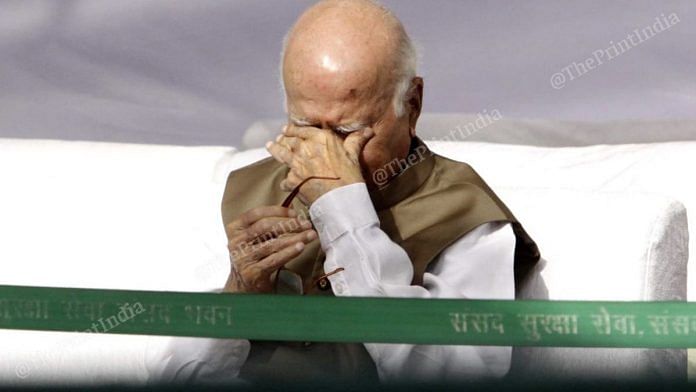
(109, 215)
(658, 168)
(104, 215)
(585, 240)
(602, 246)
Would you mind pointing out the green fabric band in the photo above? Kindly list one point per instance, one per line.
(333, 319)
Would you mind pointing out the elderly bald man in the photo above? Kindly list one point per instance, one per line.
(391, 218)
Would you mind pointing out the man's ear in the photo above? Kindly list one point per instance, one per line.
(415, 103)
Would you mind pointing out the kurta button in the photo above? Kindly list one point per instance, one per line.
(324, 284)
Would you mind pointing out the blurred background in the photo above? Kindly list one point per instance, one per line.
(200, 72)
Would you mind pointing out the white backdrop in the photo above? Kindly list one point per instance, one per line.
(199, 72)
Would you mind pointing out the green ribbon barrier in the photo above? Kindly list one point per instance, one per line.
(668, 324)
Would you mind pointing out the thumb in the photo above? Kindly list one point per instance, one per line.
(355, 142)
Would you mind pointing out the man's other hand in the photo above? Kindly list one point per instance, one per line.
(310, 151)
(261, 241)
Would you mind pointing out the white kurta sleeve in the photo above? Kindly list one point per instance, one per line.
(478, 265)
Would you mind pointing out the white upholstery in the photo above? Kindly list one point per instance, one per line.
(658, 168)
(589, 252)
(85, 213)
(585, 242)
(147, 217)
(104, 215)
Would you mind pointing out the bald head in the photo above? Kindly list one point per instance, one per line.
(348, 49)
(349, 65)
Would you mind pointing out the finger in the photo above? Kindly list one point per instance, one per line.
(356, 141)
(287, 185)
(289, 142)
(270, 247)
(300, 132)
(280, 152)
(251, 216)
(290, 182)
(238, 241)
(282, 257)
(272, 227)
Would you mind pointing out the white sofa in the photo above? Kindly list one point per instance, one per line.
(85, 214)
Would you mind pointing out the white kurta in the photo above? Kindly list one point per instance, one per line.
(478, 265)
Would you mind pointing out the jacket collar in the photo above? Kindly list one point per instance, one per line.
(413, 170)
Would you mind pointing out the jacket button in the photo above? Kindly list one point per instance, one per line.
(324, 284)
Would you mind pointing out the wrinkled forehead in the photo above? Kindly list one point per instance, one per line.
(327, 83)
(337, 101)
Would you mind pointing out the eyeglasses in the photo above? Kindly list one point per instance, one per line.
(286, 203)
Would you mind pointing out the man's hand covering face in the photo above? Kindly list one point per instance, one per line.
(310, 151)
